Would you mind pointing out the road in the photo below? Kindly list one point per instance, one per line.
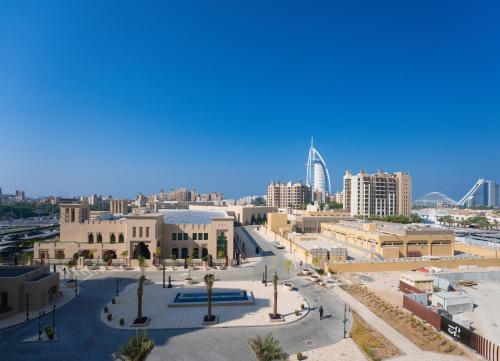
(82, 335)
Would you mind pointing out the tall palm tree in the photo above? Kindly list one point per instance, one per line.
(275, 304)
(209, 282)
(267, 348)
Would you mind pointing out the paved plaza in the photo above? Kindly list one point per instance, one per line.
(156, 300)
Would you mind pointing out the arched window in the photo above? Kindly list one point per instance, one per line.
(121, 239)
(112, 238)
(91, 238)
(99, 238)
(72, 215)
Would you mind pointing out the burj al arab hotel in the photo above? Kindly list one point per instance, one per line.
(317, 177)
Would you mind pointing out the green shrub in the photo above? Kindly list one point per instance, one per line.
(49, 331)
(122, 321)
(110, 316)
(113, 301)
(105, 309)
(297, 312)
(136, 348)
(299, 356)
(302, 306)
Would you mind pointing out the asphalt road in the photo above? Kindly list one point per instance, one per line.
(82, 335)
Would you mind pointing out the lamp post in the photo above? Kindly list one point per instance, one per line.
(265, 275)
(76, 286)
(27, 307)
(163, 269)
(169, 282)
(117, 281)
(54, 318)
(39, 326)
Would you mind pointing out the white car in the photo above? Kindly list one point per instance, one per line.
(278, 245)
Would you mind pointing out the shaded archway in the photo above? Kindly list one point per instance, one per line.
(141, 249)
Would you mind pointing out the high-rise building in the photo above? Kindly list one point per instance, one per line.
(317, 176)
(20, 196)
(484, 193)
(378, 194)
(284, 195)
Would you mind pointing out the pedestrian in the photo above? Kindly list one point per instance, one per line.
(300, 264)
(320, 312)
(64, 270)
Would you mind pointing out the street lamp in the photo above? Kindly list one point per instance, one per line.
(163, 269)
(27, 307)
(76, 286)
(117, 281)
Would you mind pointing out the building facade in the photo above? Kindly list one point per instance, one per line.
(379, 194)
(392, 240)
(283, 195)
(179, 234)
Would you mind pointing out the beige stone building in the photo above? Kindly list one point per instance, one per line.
(178, 233)
(378, 194)
(21, 286)
(391, 240)
(283, 195)
(242, 214)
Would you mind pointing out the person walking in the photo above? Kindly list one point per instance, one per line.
(321, 312)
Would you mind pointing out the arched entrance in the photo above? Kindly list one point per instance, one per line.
(141, 249)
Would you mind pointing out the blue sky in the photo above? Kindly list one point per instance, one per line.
(111, 97)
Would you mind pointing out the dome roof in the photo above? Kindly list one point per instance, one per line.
(433, 198)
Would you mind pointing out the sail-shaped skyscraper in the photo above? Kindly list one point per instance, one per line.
(317, 176)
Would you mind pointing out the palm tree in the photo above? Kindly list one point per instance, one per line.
(275, 304)
(306, 253)
(267, 348)
(209, 282)
(140, 292)
(288, 267)
(136, 348)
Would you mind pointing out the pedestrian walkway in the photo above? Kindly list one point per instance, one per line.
(344, 350)
(411, 351)
(81, 274)
(67, 294)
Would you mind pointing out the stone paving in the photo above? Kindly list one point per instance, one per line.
(344, 350)
(156, 299)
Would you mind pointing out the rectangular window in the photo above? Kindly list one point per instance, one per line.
(186, 237)
(174, 236)
(140, 232)
(200, 236)
(179, 236)
(194, 236)
(134, 232)
(147, 232)
(205, 236)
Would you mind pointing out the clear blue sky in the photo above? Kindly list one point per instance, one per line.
(120, 97)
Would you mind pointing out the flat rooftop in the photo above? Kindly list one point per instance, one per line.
(15, 271)
(190, 216)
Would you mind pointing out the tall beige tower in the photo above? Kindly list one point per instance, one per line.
(404, 193)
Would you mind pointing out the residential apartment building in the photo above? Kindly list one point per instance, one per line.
(378, 194)
(283, 195)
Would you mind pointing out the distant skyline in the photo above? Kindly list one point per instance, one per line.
(120, 98)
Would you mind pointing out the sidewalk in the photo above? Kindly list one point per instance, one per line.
(68, 294)
(344, 350)
(412, 352)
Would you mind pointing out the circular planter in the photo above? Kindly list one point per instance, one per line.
(305, 272)
(288, 286)
(188, 281)
(314, 279)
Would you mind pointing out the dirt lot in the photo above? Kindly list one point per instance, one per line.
(485, 317)
(384, 284)
(412, 328)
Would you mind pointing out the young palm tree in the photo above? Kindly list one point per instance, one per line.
(306, 253)
(267, 348)
(288, 267)
(209, 282)
(136, 348)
